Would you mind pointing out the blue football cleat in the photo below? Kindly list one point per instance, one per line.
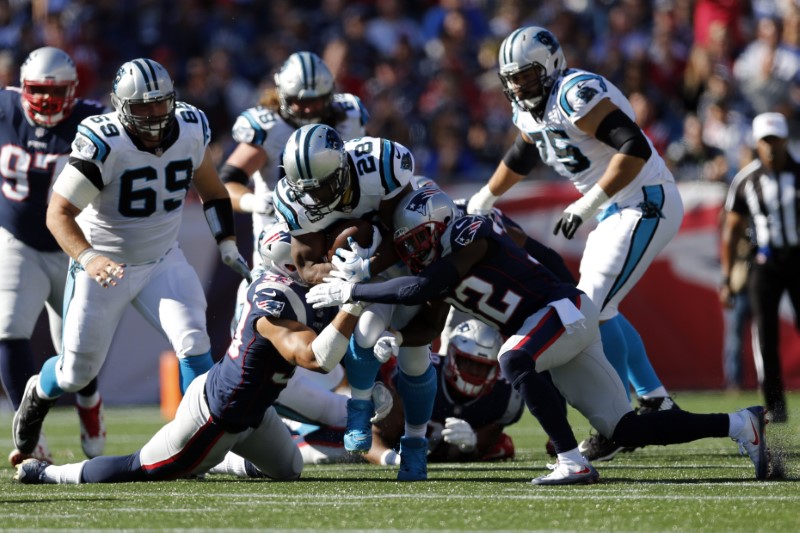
(358, 434)
(413, 459)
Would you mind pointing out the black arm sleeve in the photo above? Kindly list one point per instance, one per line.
(230, 173)
(89, 170)
(410, 290)
(619, 132)
(521, 156)
(219, 215)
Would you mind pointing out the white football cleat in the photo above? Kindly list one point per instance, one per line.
(568, 472)
(753, 439)
(93, 429)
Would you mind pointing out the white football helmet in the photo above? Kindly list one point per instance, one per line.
(304, 77)
(316, 168)
(144, 81)
(420, 219)
(472, 367)
(275, 247)
(530, 60)
(49, 79)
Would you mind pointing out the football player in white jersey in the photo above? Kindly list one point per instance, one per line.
(116, 211)
(303, 94)
(327, 181)
(37, 125)
(583, 127)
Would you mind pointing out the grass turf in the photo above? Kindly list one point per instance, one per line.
(699, 486)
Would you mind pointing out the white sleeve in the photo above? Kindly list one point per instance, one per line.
(75, 187)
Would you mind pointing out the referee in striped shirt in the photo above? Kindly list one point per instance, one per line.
(766, 195)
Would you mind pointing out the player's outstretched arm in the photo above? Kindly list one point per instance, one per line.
(301, 346)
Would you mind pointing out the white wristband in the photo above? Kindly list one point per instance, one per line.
(591, 201)
(483, 200)
(247, 202)
(353, 308)
(86, 257)
(398, 338)
(329, 347)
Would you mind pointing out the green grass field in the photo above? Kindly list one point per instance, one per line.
(700, 486)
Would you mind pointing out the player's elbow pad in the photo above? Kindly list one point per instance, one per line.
(521, 157)
(618, 131)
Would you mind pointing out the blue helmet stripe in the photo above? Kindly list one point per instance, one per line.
(307, 150)
(144, 74)
(508, 46)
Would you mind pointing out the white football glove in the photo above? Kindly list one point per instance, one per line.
(231, 257)
(459, 433)
(260, 204)
(350, 265)
(330, 293)
(481, 202)
(388, 345)
(383, 401)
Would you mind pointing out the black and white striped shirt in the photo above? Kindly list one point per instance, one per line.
(771, 201)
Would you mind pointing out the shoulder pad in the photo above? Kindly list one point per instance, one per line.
(190, 115)
(580, 91)
(93, 138)
(468, 229)
(276, 296)
(253, 125)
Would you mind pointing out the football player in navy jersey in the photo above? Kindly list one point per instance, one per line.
(37, 124)
(473, 403)
(549, 325)
(116, 209)
(227, 417)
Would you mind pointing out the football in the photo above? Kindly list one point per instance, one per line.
(338, 232)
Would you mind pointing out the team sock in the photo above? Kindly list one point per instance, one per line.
(47, 387)
(16, 368)
(361, 367)
(541, 398)
(418, 394)
(616, 349)
(191, 366)
(641, 373)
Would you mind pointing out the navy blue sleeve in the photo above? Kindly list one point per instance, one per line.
(429, 284)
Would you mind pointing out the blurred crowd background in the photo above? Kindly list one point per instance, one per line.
(696, 71)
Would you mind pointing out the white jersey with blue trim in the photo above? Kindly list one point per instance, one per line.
(571, 152)
(379, 170)
(260, 126)
(137, 215)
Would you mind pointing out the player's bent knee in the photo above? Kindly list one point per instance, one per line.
(515, 364)
(414, 360)
(194, 342)
(75, 378)
(291, 470)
